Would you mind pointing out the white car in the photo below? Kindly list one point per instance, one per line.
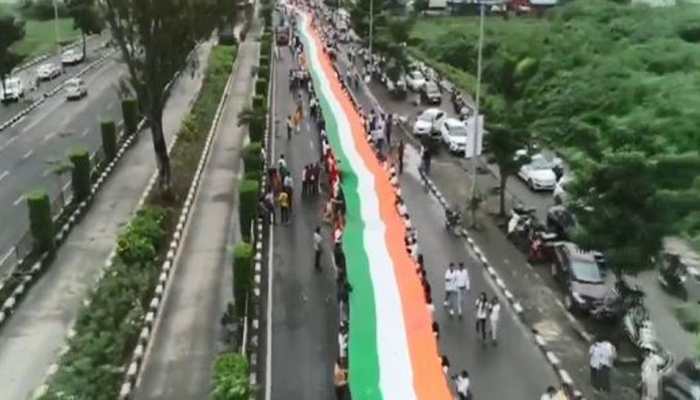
(75, 89)
(429, 122)
(454, 134)
(71, 57)
(415, 80)
(538, 173)
(48, 71)
(13, 90)
(560, 193)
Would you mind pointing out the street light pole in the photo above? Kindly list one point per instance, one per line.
(371, 28)
(478, 98)
(55, 27)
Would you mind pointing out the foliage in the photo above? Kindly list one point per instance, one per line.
(247, 208)
(11, 31)
(242, 275)
(153, 56)
(130, 114)
(86, 17)
(42, 10)
(252, 159)
(261, 86)
(391, 41)
(40, 222)
(80, 182)
(255, 118)
(108, 129)
(140, 240)
(688, 316)
(360, 17)
(231, 378)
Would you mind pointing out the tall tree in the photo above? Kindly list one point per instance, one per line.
(86, 17)
(11, 31)
(360, 17)
(511, 132)
(155, 38)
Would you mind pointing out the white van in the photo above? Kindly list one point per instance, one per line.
(13, 90)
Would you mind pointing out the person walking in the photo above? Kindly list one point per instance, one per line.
(401, 149)
(340, 379)
(494, 317)
(290, 127)
(650, 375)
(288, 186)
(549, 393)
(450, 288)
(318, 239)
(482, 312)
(462, 287)
(462, 385)
(607, 359)
(283, 202)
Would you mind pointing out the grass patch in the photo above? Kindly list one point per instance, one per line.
(688, 316)
(40, 37)
(107, 329)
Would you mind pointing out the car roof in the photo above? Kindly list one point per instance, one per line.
(74, 80)
(452, 122)
(431, 110)
(576, 253)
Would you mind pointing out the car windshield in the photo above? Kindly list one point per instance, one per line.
(457, 130)
(538, 162)
(431, 87)
(586, 271)
(427, 117)
(416, 75)
(73, 84)
(11, 84)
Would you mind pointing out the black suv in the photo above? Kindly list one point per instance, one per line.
(580, 275)
(430, 93)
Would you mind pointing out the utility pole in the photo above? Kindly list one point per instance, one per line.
(55, 27)
(478, 98)
(371, 28)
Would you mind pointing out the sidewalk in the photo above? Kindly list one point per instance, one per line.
(31, 341)
(188, 337)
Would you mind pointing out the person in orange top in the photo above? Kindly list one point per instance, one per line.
(340, 379)
(283, 201)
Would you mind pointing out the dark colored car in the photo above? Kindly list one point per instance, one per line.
(561, 220)
(682, 382)
(431, 93)
(579, 273)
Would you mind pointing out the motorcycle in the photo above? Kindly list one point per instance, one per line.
(453, 221)
(522, 226)
(673, 275)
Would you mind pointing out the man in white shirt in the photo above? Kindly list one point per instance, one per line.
(450, 288)
(317, 248)
(494, 317)
(549, 394)
(463, 285)
(602, 355)
(462, 385)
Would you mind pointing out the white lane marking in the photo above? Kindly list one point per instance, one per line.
(311, 144)
(9, 142)
(28, 154)
(48, 137)
(84, 133)
(4, 175)
(7, 255)
(18, 201)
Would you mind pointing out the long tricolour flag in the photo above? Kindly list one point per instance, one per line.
(392, 350)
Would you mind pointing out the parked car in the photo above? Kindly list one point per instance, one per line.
(71, 57)
(75, 89)
(539, 173)
(430, 93)
(415, 80)
(561, 220)
(560, 194)
(397, 88)
(454, 134)
(429, 122)
(581, 277)
(682, 382)
(13, 90)
(49, 71)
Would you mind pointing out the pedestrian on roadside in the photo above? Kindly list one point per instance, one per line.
(388, 123)
(650, 374)
(608, 355)
(318, 239)
(290, 127)
(340, 379)
(282, 164)
(450, 288)
(288, 186)
(494, 317)
(462, 287)
(283, 202)
(305, 181)
(400, 155)
(482, 312)
(549, 393)
(462, 385)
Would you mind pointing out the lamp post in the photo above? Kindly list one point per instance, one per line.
(371, 28)
(55, 27)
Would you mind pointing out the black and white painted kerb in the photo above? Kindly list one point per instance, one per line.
(552, 359)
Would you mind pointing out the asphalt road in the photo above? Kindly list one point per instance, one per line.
(46, 135)
(304, 308)
(95, 47)
(188, 337)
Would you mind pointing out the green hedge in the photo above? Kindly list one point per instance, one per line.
(231, 378)
(40, 221)
(248, 203)
(242, 275)
(140, 240)
(252, 159)
(264, 60)
(109, 139)
(80, 182)
(259, 101)
(261, 86)
(264, 72)
(130, 113)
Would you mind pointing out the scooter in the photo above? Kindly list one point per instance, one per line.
(673, 274)
(453, 221)
(521, 227)
(541, 247)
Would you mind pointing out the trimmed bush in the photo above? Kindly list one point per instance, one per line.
(248, 203)
(231, 378)
(261, 86)
(252, 159)
(264, 72)
(259, 101)
(130, 112)
(242, 275)
(80, 182)
(40, 221)
(141, 239)
(688, 317)
(109, 139)
(264, 60)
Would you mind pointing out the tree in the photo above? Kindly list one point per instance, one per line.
(360, 17)
(511, 132)
(421, 5)
(156, 38)
(11, 31)
(86, 17)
